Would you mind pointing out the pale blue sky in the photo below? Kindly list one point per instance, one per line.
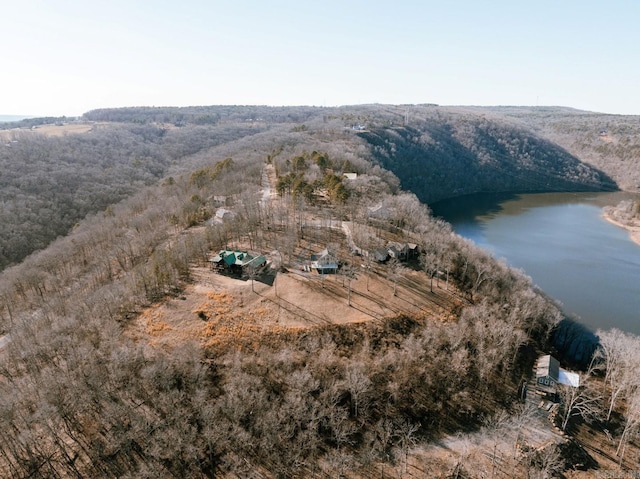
(65, 57)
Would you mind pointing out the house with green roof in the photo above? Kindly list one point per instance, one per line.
(236, 262)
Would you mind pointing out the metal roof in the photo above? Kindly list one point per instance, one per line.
(548, 366)
(568, 378)
(238, 258)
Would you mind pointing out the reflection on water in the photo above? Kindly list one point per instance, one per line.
(564, 244)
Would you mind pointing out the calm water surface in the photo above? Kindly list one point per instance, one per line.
(561, 240)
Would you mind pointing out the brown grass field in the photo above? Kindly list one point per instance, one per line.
(50, 130)
(220, 311)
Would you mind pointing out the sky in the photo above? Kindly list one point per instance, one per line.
(66, 57)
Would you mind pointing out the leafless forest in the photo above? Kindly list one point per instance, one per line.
(101, 226)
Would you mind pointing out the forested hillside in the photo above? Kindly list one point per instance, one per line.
(610, 143)
(440, 153)
(49, 183)
(87, 389)
(88, 400)
(206, 115)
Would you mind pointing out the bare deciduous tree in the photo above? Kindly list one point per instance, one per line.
(349, 272)
(583, 401)
(358, 384)
(617, 355)
(631, 423)
(429, 262)
(395, 271)
(406, 435)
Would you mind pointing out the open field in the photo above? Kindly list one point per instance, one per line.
(51, 130)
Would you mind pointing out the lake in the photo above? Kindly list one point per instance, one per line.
(562, 242)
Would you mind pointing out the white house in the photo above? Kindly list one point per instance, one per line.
(324, 262)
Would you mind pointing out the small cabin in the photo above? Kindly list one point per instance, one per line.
(403, 251)
(324, 262)
(549, 374)
(398, 251)
(223, 214)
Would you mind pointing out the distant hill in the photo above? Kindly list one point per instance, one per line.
(30, 121)
(12, 118)
(506, 147)
(205, 115)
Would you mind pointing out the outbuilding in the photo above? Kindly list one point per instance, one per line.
(549, 374)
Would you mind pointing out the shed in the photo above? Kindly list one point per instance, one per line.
(223, 214)
(379, 211)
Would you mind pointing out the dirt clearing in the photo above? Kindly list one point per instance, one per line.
(217, 310)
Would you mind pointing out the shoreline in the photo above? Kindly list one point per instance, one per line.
(633, 230)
